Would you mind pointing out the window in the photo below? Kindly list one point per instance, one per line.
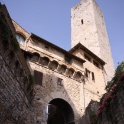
(46, 46)
(87, 73)
(20, 38)
(93, 77)
(38, 76)
(60, 81)
(87, 57)
(35, 57)
(67, 60)
(82, 22)
(96, 64)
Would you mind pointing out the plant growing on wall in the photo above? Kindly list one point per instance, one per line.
(111, 89)
(6, 33)
(31, 82)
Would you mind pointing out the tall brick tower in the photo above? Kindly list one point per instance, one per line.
(88, 28)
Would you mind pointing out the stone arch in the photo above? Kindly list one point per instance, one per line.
(44, 61)
(20, 37)
(70, 72)
(20, 33)
(62, 69)
(35, 57)
(62, 95)
(60, 112)
(78, 75)
(53, 65)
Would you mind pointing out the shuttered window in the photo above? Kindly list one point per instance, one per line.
(87, 73)
(38, 76)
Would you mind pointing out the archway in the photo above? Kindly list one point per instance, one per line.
(60, 112)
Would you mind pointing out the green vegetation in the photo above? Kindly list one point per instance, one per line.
(112, 88)
(6, 33)
(31, 79)
(118, 73)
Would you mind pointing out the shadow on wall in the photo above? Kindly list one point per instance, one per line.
(89, 116)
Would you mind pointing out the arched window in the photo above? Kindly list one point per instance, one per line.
(78, 76)
(44, 61)
(53, 65)
(62, 69)
(70, 72)
(20, 38)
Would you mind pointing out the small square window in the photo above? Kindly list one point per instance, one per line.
(60, 81)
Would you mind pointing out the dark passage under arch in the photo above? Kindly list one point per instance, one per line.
(60, 112)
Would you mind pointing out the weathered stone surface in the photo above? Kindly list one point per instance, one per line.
(88, 28)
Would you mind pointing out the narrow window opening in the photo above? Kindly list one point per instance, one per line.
(93, 77)
(87, 73)
(82, 22)
(96, 64)
(87, 57)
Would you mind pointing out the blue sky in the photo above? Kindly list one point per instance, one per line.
(50, 19)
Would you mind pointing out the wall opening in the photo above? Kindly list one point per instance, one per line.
(82, 21)
(60, 112)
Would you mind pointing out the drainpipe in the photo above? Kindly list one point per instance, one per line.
(84, 93)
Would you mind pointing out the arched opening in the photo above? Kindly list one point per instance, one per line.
(44, 61)
(53, 65)
(62, 69)
(20, 38)
(70, 72)
(35, 57)
(60, 112)
(78, 76)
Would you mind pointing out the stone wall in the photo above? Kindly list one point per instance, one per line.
(108, 112)
(114, 113)
(70, 90)
(16, 92)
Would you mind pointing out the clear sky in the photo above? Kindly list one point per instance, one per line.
(50, 19)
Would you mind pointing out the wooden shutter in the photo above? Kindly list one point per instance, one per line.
(38, 76)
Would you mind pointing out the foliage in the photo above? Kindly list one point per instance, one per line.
(31, 79)
(109, 83)
(111, 89)
(118, 72)
(6, 34)
(15, 44)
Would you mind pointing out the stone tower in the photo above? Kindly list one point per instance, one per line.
(88, 28)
